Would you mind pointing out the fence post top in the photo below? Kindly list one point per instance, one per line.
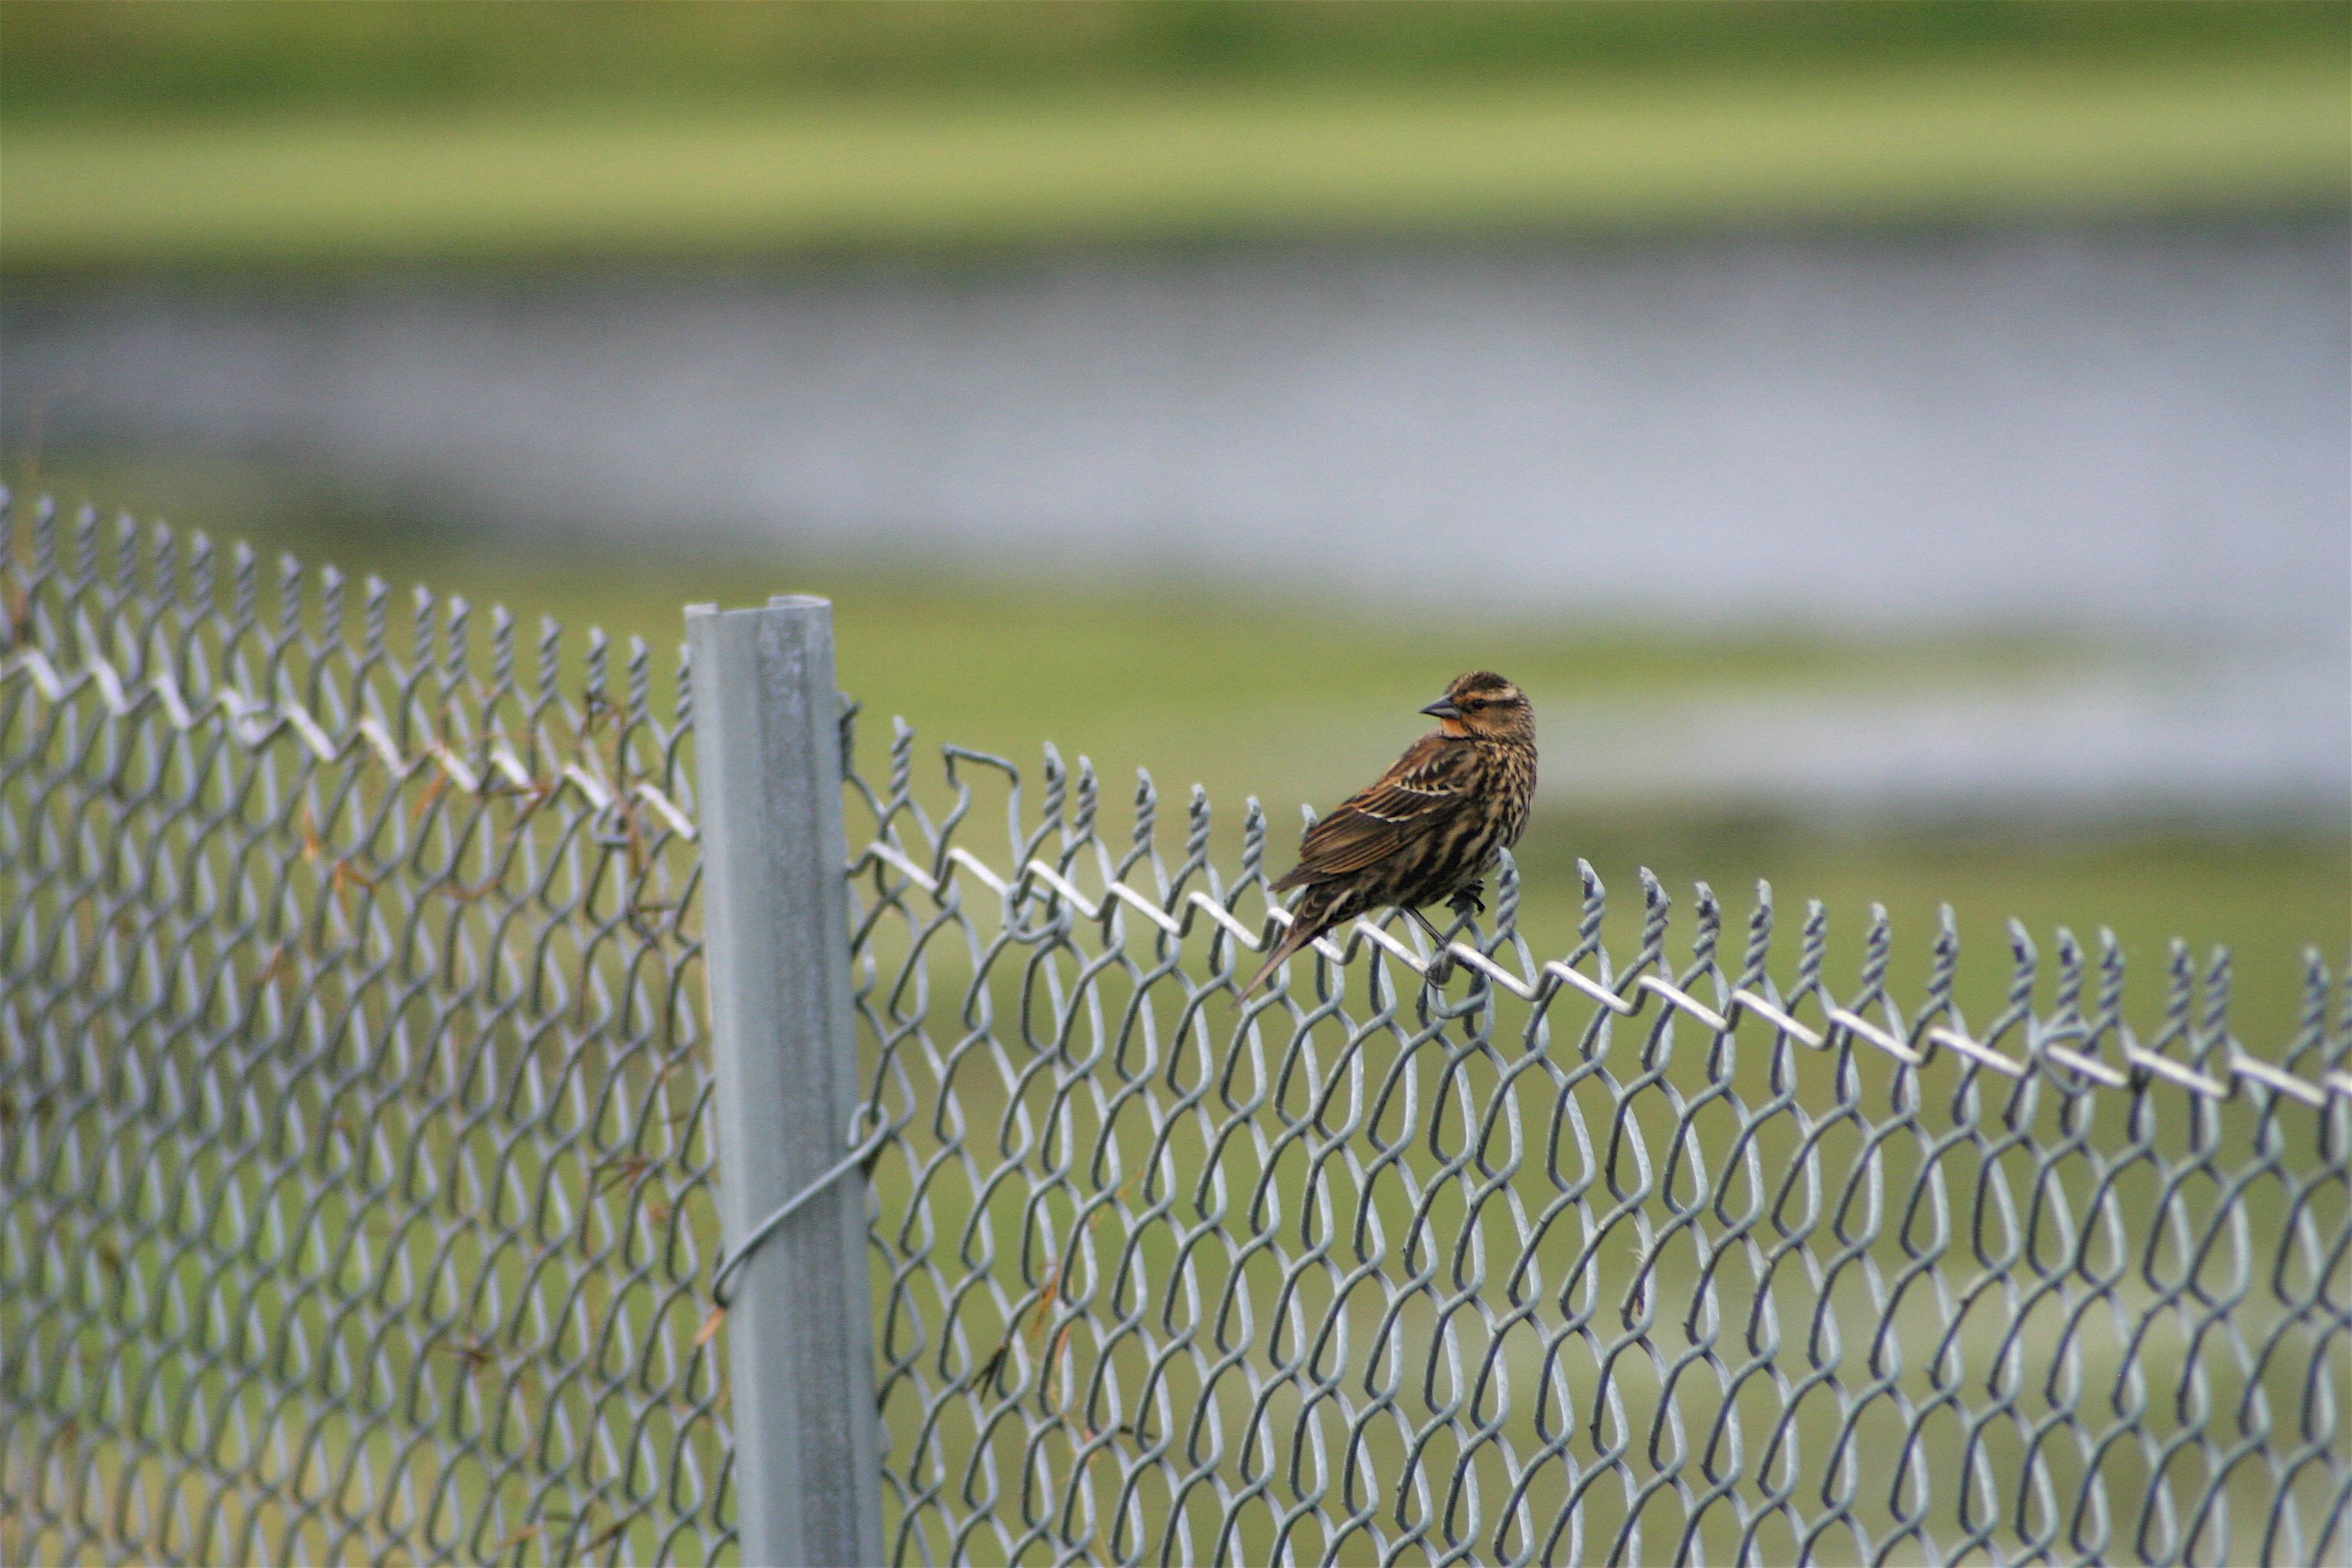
(775, 602)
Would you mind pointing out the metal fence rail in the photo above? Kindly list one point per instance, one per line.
(360, 1148)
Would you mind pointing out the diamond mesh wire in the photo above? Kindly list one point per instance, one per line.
(355, 1166)
(1671, 1260)
(354, 1161)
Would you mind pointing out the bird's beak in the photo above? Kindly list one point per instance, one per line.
(1443, 709)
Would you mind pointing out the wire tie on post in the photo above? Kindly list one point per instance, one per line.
(735, 1260)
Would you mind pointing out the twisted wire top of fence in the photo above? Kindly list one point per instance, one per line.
(2220, 1066)
(356, 1190)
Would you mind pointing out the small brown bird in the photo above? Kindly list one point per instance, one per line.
(1429, 829)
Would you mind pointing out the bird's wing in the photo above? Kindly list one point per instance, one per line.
(1425, 788)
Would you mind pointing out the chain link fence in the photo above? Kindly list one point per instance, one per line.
(1568, 1260)
(359, 1150)
(355, 1166)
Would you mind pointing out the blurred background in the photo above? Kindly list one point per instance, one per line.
(1903, 448)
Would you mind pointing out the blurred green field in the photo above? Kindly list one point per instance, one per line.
(516, 187)
(129, 58)
(150, 138)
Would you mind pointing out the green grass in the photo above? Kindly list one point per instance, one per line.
(151, 57)
(320, 186)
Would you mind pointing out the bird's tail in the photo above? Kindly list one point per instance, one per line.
(1306, 922)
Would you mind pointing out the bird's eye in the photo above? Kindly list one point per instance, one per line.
(1475, 702)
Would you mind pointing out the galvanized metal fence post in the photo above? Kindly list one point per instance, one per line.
(808, 1480)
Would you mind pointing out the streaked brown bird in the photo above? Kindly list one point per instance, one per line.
(1426, 832)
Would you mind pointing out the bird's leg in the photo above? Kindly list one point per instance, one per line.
(1441, 966)
(1472, 898)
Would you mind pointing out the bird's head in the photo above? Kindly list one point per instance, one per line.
(1484, 706)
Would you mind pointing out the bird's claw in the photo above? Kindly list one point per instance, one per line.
(1470, 899)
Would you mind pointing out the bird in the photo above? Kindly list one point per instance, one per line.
(1427, 829)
